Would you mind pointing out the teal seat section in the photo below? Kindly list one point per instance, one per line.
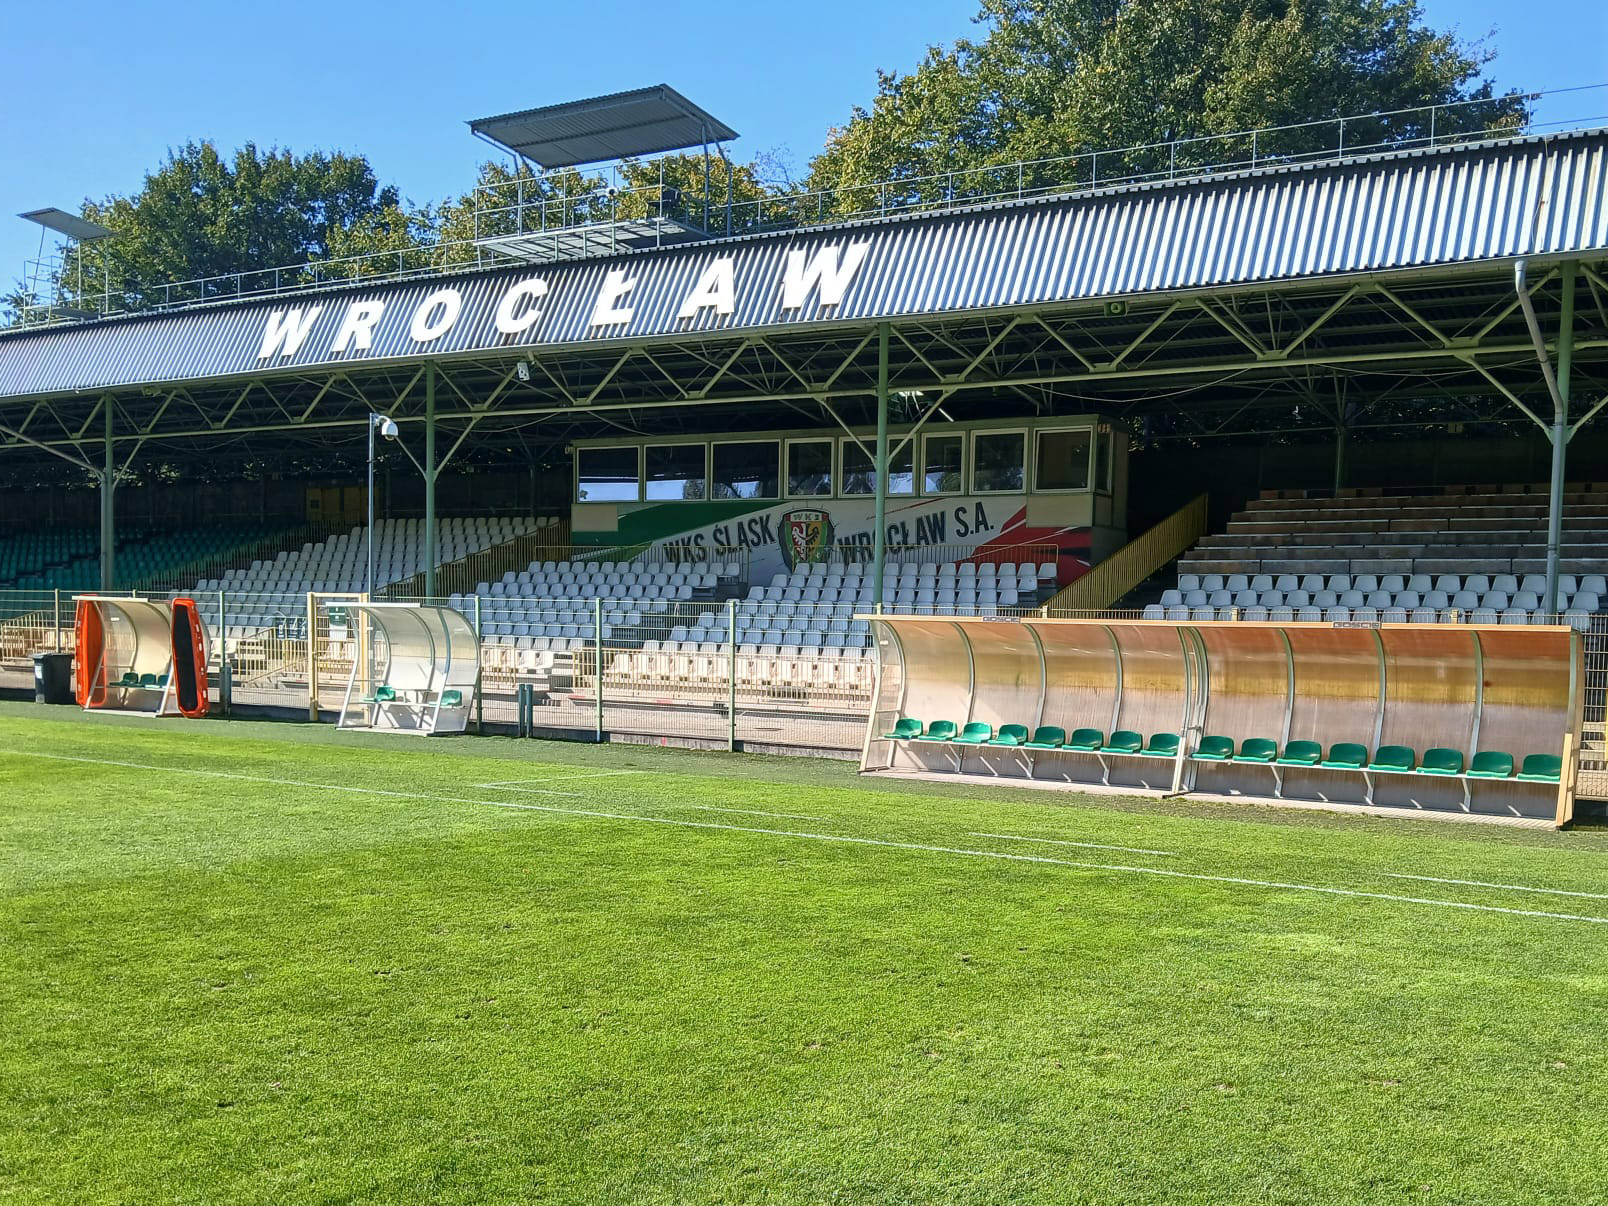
(451, 697)
(907, 729)
(1215, 749)
(1010, 734)
(1441, 761)
(939, 730)
(1541, 768)
(384, 694)
(1257, 749)
(1491, 764)
(975, 733)
(1047, 737)
(1394, 758)
(1162, 745)
(1123, 741)
(1345, 755)
(1086, 741)
(1301, 753)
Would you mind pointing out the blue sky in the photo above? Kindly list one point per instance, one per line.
(99, 91)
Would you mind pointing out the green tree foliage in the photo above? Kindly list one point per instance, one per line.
(203, 215)
(1061, 78)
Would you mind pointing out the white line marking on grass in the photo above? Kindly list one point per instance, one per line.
(1480, 883)
(518, 783)
(1016, 837)
(844, 839)
(754, 812)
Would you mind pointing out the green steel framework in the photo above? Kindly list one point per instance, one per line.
(1469, 345)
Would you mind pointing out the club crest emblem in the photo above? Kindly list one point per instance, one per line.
(806, 537)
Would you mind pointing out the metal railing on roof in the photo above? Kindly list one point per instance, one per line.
(602, 218)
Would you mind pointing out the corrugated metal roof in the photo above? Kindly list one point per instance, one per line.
(1524, 198)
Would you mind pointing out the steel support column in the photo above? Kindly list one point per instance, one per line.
(430, 549)
(881, 528)
(1560, 437)
(108, 511)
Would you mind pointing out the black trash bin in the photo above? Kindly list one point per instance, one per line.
(53, 678)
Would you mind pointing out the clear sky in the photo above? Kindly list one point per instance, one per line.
(97, 92)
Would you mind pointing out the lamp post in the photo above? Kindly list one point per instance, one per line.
(386, 426)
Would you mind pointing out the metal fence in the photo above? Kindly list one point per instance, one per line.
(730, 673)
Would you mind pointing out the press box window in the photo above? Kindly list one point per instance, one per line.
(1063, 460)
(809, 468)
(607, 474)
(860, 471)
(1102, 461)
(747, 470)
(997, 462)
(940, 464)
(677, 471)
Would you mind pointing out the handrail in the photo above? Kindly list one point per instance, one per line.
(1109, 580)
(1324, 140)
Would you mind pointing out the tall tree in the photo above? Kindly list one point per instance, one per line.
(202, 215)
(1053, 79)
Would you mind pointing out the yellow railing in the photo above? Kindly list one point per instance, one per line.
(1135, 561)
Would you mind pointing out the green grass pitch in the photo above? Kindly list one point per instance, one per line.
(247, 963)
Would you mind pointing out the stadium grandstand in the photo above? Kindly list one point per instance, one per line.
(673, 460)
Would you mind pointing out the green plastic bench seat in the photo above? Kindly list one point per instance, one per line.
(451, 698)
(1345, 755)
(1257, 749)
(129, 680)
(148, 680)
(939, 730)
(1441, 761)
(1047, 737)
(1301, 753)
(907, 729)
(1399, 758)
(1124, 741)
(1215, 749)
(1491, 764)
(1010, 734)
(1085, 741)
(1541, 768)
(1162, 745)
(384, 694)
(975, 733)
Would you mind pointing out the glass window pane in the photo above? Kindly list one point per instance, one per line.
(1102, 462)
(940, 471)
(999, 462)
(607, 474)
(809, 467)
(859, 471)
(676, 471)
(1063, 460)
(747, 470)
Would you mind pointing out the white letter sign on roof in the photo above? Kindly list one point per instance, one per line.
(607, 312)
(286, 331)
(508, 318)
(716, 290)
(833, 276)
(427, 325)
(361, 317)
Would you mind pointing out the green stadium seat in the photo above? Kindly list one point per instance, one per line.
(1215, 749)
(1123, 741)
(148, 681)
(1441, 761)
(1491, 764)
(1047, 737)
(1541, 768)
(384, 694)
(1301, 753)
(1086, 741)
(1162, 745)
(975, 733)
(1010, 734)
(1257, 749)
(129, 679)
(1345, 755)
(1397, 758)
(907, 729)
(939, 730)
(451, 698)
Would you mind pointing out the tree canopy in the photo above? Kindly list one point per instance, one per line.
(1057, 78)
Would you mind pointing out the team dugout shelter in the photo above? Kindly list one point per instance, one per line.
(1008, 364)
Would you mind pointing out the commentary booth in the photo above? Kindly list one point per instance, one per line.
(146, 656)
(415, 670)
(1460, 718)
